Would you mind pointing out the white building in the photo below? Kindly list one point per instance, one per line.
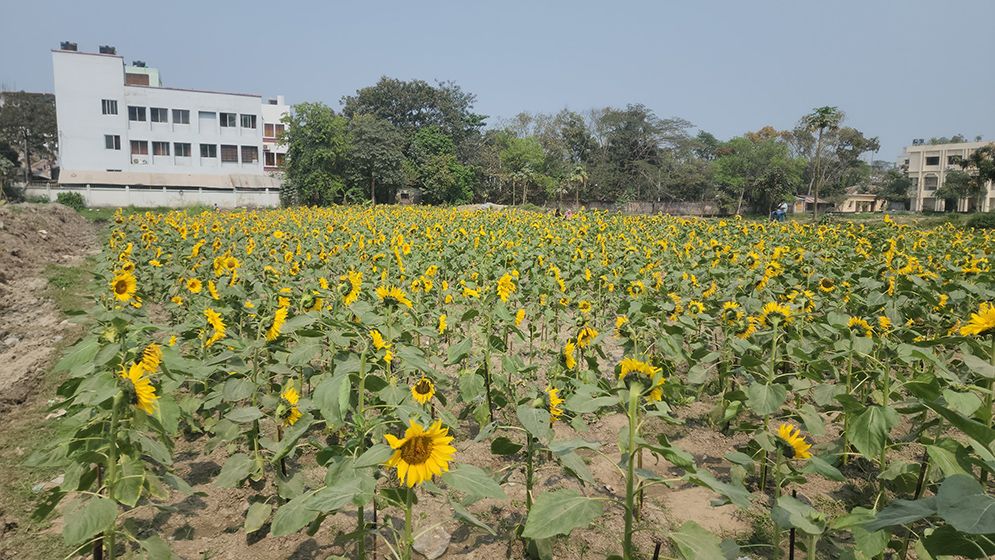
(127, 140)
(927, 166)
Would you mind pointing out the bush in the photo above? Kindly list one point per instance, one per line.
(982, 221)
(73, 200)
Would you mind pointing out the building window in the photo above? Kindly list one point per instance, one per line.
(248, 121)
(136, 113)
(279, 130)
(270, 159)
(229, 153)
(182, 149)
(932, 160)
(112, 141)
(268, 131)
(181, 116)
(228, 119)
(250, 154)
(930, 183)
(280, 158)
(208, 150)
(160, 148)
(108, 106)
(953, 160)
(159, 114)
(139, 148)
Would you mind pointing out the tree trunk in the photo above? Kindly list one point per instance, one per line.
(525, 192)
(27, 161)
(373, 189)
(739, 205)
(818, 176)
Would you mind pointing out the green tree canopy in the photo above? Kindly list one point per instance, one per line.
(318, 150)
(376, 156)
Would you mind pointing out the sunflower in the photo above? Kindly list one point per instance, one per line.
(194, 285)
(553, 402)
(775, 311)
(519, 317)
(141, 391)
(231, 263)
(793, 443)
(731, 312)
(287, 410)
(584, 306)
(124, 285)
(827, 285)
(505, 287)
(279, 318)
(151, 357)
(393, 296)
(217, 323)
(647, 370)
(982, 322)
(569, 360)
(423, 390)
(620, 321)
(586, 335)
(636, 288)
(355, 280)
(884, 323)
(860, 326)
(378, 341)
(421, 454)
(746, 328)
(442, 323)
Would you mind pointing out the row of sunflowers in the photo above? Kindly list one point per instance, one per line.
(379, 343)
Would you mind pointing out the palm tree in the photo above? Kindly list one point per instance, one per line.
(578, 177)
(821, 119)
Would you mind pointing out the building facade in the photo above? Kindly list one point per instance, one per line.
(126, 139)
(927, 166)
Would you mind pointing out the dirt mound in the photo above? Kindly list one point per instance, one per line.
(33, 235)
(31, 326)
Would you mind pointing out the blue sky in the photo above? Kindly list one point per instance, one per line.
(900, 69)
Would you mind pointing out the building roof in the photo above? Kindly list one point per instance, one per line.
(131, 178)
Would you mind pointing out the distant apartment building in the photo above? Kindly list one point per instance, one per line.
(127, 140)
(927, 166)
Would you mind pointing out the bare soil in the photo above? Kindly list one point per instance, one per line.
(33, 236)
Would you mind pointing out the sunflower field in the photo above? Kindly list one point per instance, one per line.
(532, 380)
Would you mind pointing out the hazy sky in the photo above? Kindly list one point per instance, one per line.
(899, 69)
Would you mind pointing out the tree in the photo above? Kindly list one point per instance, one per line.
(895, 186)
(376, 155)
(578, 178)
(957, 184)
(434, 168)
(759, 171)
(27, 120)
(522, 160)
(980, 165)
(821, 119)
(412, 105)
(318, 150)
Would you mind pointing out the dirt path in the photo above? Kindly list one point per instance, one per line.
(31, 325)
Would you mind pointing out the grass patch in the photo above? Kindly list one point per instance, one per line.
(69, 286)
(25, 430)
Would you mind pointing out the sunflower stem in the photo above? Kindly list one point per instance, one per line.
(112, 468)
(635, 391)
(849, 389)
(360, 408)
(408, 540)
(529, 471)
(487, 364)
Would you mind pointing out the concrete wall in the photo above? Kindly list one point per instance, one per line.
(114, 197)
(640, 207)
